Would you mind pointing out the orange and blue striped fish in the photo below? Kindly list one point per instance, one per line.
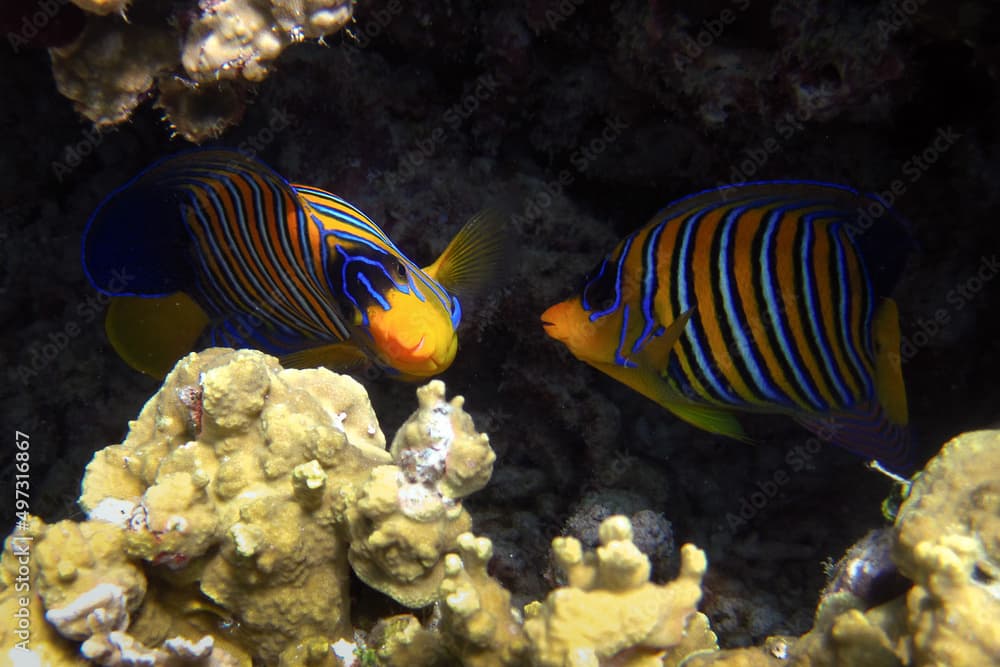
(767, 297)
(214, 247)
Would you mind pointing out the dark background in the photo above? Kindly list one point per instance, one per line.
(519, 93)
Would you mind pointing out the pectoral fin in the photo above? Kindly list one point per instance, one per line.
(646, 377)
(655, 352)
(341, 357)
(654, 387)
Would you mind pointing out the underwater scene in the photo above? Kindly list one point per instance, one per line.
(537, 333)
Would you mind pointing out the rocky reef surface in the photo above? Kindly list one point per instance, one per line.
(223, 531)
(581, 119)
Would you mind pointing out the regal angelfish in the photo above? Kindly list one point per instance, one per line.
(766, 298)
(224, 251)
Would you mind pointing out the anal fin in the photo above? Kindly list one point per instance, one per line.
(151, 334)
(342, 357)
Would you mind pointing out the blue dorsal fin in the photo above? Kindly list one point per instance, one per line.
(135, 243)
(139, 231)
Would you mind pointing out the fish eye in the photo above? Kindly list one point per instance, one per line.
(599, 292)
(401, 270)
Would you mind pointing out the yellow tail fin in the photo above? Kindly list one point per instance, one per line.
(888, 363)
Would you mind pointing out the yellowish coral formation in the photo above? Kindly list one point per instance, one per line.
(947, 541)
(407, 517)
(221, 532)
(230, 499)
(201, 65)
(108, 70)
(478, 623)
(610, 613)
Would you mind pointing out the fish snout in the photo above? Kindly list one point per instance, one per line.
(412, 349)
(554, 321)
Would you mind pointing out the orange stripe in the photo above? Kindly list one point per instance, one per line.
(705, 288)
(823, 254)
(786, 270)
(209, 211)
(746, 274)
(859, 291)
(666, 273)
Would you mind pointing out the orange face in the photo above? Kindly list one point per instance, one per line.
(414, 335)
(590, 340)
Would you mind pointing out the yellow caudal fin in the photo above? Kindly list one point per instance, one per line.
(341, 357)
(476, 258)
(888, 365)
(150, 335)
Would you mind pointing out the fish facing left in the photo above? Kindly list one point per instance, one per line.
(219, 249)
(765, 298)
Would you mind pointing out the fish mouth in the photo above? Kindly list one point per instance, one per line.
(416, 348)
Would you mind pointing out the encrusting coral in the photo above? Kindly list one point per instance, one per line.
(946, 540)
(231, 503)
(198, 58)
(223, 530)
